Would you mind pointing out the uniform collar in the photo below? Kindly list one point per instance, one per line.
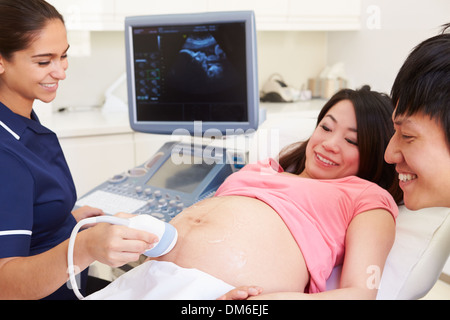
(16, 124)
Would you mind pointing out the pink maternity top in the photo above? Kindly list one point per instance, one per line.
(317, 212)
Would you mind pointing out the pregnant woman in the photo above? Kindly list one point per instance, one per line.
(284, 225)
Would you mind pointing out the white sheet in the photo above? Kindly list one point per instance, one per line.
(159, 280)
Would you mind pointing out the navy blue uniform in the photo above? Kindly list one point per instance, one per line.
(37, 193)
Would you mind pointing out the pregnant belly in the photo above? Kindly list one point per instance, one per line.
(240, 240)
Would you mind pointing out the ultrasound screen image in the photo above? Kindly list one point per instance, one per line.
(191, 72)
(203, 58)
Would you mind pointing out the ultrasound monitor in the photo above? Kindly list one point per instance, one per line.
(184, 69)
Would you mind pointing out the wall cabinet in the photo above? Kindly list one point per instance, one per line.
(93, 15)
(100, 15)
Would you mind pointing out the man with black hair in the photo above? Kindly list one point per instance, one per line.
(420, 148)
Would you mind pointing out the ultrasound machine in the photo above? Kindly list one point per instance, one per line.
(184, 72)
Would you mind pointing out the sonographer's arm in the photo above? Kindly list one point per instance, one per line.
(38, 276)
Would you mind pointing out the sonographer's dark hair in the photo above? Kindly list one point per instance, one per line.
(423, 82)
(374, 129)
(21, 21)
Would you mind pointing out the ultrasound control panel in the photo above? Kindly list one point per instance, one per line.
(177, 176)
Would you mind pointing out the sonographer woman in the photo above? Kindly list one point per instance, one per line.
(37, 193)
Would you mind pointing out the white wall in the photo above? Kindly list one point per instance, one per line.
(374, 56)
(89, 76)
(295, 55)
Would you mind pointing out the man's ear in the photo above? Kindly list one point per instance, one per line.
(2, 62)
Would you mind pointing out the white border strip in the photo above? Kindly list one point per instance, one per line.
(15, 232)
(15, 135)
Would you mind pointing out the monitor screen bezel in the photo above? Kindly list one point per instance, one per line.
(189, 127)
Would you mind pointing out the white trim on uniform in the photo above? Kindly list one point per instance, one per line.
(16, 233)
(15, 135)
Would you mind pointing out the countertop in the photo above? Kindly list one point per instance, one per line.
(92, 122)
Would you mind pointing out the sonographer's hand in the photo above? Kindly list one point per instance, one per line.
(125, 215)
(115, 245)
(86, 212)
